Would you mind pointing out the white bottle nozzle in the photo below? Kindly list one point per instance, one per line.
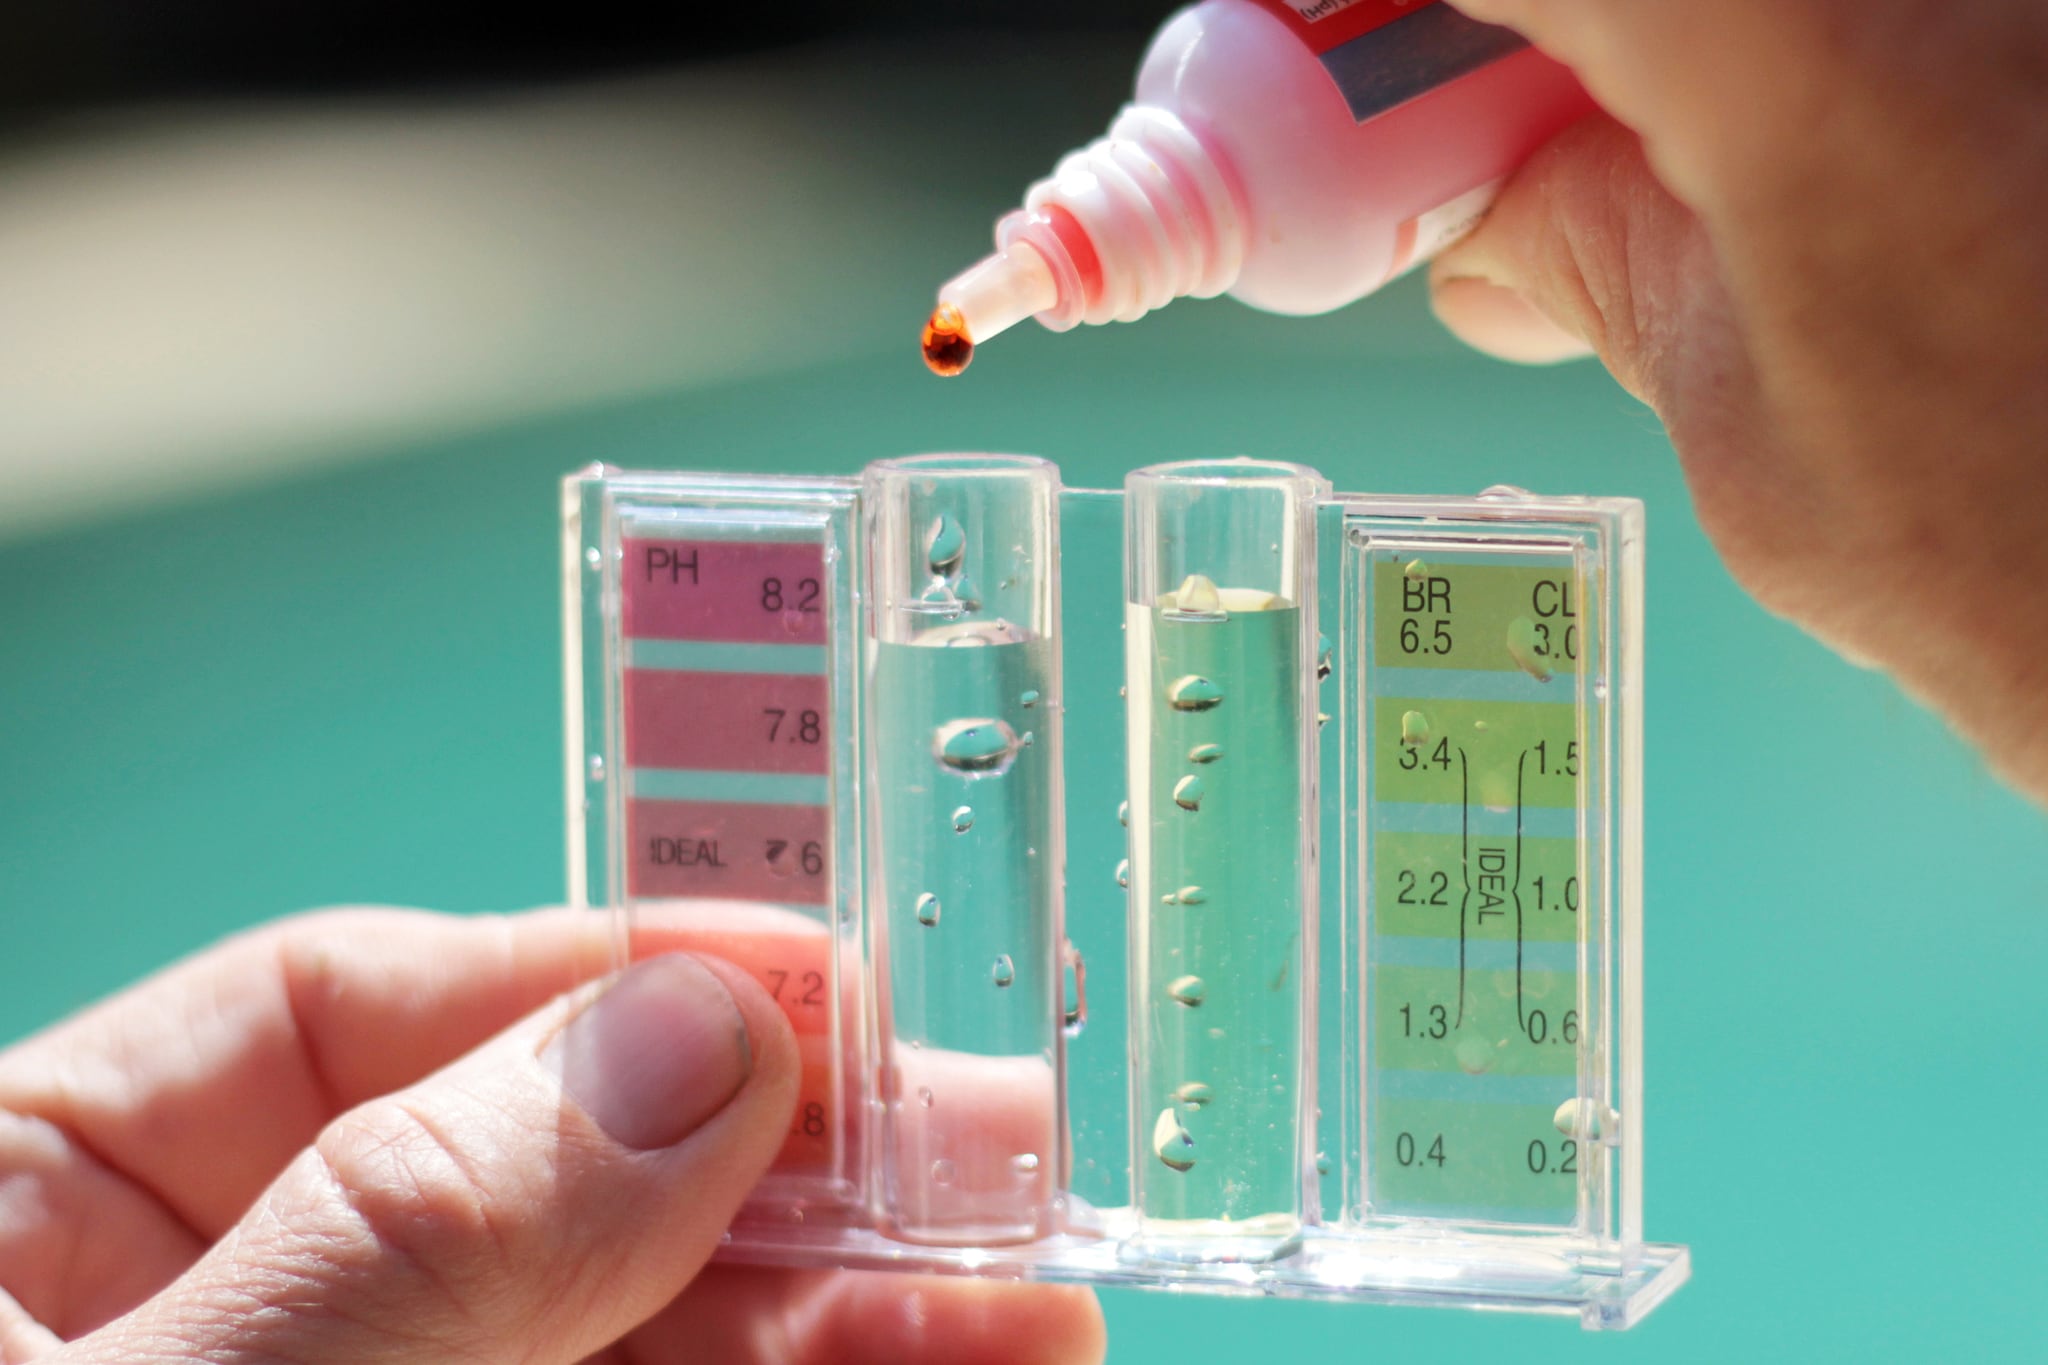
(1121, 226)
(997, 293)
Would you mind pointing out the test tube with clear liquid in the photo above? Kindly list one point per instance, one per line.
(1220, 683)
(965, 845)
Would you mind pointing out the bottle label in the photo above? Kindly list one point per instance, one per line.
(1383, 53)
(1424, 235)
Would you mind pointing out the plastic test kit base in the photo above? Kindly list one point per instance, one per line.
(1060, 1019)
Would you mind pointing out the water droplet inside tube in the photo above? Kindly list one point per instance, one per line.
(1585, 1120)
(938, 599)
(945, 544)
(978, 746)
(1476, 1056)
(1526, 649)
(1196, 598)
(1193, 693)
(1170, 1141)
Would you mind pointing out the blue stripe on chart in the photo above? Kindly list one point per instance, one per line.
(754, 789)
(707, 656)
(1440, 817)
(1424, 685)
(749, 523)
(1481, 954)
(1457, 1087)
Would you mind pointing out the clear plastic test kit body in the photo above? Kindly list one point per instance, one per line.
(1222, 884)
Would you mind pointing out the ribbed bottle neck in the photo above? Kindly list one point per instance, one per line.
(1132, 221)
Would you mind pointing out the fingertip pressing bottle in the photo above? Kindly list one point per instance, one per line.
(1296, 154)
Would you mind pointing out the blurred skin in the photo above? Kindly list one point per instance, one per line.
(389, 1136)
(1810, 237)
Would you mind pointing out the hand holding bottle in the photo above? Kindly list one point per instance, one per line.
(1810, 238)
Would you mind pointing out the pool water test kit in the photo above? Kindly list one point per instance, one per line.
(1222, 884)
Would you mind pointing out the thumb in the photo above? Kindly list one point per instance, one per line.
(1585, 252)
(534, 1200)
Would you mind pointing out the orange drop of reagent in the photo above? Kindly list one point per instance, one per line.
(947, 348)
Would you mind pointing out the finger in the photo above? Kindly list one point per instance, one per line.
(1502, 322)
(747, 1316)
(1584, 246)
(1766, 107)
(1698, 82)
(22, 1338)
(201, 1083)
(534, 1200)
(79, 1244)
(1641, 60)
(1592, 246)
(150, 1122)
(989, 1123)
(1575, 244)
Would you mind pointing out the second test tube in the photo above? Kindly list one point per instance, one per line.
(964, 842)
(1219, 603)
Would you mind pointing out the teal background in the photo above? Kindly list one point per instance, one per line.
(343, 686)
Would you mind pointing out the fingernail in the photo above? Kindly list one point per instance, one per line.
(655, 1056)
(1500, 321)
